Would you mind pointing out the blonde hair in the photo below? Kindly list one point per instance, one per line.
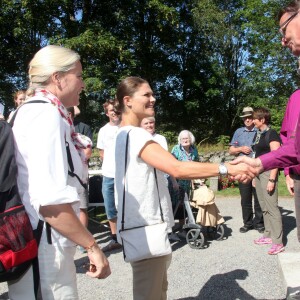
(47, 61)
(151, 119)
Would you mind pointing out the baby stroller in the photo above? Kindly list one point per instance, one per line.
(208, 223)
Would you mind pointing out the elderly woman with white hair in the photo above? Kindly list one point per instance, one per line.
(185, 150)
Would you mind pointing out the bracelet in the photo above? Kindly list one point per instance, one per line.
(90, 248)
(272, 180)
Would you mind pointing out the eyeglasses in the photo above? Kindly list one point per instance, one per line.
(283, 26)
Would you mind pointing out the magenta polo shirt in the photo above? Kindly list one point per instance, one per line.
(289, 124)
(285, 156)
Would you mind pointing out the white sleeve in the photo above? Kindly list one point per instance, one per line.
(46, 159)
(100, 139)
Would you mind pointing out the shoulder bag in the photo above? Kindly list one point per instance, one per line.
(143, 242)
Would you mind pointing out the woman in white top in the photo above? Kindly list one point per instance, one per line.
(41, 131)
(136, 101)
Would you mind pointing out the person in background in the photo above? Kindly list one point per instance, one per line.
(185, 150)
(81, 127)
(241, 144)
(287, 132)
(136, 101)
(2, 112)
(267, 140)
(48, 192)
(19, 98)
(83, 193)
(106, 144)
(149, 125)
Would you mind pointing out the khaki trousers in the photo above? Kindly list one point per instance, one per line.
(269, 206)
(150, 278)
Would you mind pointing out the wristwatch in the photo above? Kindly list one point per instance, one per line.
(223, 169)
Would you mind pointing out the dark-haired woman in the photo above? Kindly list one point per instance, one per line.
(136, 101)
(267, 140)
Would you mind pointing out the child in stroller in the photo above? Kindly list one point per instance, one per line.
(208, 222)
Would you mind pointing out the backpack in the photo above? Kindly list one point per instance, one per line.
(18, 241)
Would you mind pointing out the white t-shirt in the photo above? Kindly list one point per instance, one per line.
(106, 142)
(141, 196)
(41, 157)
(160, 139)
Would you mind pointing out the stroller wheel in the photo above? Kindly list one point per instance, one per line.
(219, 232)
(195, 238)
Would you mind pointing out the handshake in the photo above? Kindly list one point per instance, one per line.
(244, 169)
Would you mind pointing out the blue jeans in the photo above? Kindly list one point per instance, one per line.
(108, 193)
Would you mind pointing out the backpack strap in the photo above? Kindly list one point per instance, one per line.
(35, 263)
(12, 120)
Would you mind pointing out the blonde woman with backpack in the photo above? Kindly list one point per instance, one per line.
(42, 131)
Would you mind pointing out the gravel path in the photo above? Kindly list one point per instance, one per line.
(234, 268)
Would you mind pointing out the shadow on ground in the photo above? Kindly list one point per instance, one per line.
(224, 286)
(288, 222)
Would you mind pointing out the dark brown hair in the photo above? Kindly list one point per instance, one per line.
(71, 110)
(127, 87)
(262, 112)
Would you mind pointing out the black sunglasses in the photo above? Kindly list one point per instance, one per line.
(284, 25)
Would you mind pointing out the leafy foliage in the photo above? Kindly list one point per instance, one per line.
(205, 59)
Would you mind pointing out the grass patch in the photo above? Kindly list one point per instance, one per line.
(98, 214)
(234, 190)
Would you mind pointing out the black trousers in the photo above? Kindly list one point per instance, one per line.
(250, 217)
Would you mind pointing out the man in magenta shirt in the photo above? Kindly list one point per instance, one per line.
(292, 174)
(288, 154)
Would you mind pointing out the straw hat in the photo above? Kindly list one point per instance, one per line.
(247, 112)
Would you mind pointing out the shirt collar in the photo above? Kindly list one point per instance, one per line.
(253, 129)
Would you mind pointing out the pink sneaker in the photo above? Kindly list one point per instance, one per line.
(275, 249)
(263, 241)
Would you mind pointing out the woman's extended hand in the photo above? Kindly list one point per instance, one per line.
(241, 172)
(99, 264)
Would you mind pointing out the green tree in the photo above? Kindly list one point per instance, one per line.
(205, 59)
(242, 37)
